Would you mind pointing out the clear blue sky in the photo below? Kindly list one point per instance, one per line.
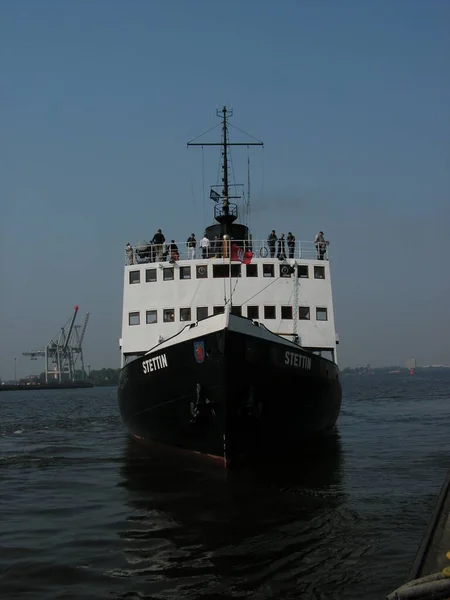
(98, 99)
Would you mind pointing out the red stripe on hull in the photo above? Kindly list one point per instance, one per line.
(169, 448)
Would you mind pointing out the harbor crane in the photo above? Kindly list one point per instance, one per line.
(62, 352)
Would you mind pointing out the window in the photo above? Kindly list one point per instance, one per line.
(286, 270)
(319, 272)
(224, 270)
(268, 270)
(218, 310)
(185, 272)
(202, 271)
(135, 276)
(130, 357)
(253, 312)
(150, 275)
(221, 270)
(133, 318)
(321, 314)
(286, 312)
(252, 271)
(151, 316)
(168, 274)
(202, 312)
(235, 270)
(168, 315)
(269, 312)
(303, 313)
(236, 310)
(303, 271)
(185, 314)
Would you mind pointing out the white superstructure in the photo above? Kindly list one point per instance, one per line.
(291, 297)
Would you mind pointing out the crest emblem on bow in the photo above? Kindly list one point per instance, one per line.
(199, 351)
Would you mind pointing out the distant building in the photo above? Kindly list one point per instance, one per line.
(411, 363)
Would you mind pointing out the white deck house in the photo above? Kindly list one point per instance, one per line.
(291, 297)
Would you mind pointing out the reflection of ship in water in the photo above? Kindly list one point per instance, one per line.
(199, 509)
(154, 467)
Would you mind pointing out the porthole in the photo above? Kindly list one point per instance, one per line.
(286, 270)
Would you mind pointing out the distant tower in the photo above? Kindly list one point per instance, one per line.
(411, 365)
(62, 352)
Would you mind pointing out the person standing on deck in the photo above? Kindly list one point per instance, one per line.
(321, 245)
(291, 244)
(281, 254)
(204, 245)
(191, 244)
(173, 253)
(271, 240)
(217, 247)
(158, 241)
(130, 254)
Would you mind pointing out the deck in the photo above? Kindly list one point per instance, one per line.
(144, 252)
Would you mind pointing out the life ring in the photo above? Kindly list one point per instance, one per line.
(285, 271)
(201, 270)
(263, 252)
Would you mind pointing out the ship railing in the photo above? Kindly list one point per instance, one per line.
(146, 252)
(432, 587)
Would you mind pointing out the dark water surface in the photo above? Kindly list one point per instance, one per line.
(84, 513)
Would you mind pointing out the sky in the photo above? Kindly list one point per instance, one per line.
(351, 99)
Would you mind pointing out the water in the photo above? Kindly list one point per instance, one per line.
(87, 514)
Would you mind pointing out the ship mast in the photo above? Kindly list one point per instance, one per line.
(225, 212)
(225, 159)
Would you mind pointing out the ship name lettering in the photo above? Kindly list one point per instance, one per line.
(155, 364)
(297, 360)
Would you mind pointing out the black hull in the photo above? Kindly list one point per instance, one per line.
(229, 395)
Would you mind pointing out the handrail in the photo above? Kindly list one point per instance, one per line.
(145, 252)
(443, 499)
(432, 587)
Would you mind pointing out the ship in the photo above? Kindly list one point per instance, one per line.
(228, 348)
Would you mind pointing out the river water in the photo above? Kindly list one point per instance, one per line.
(85, 513)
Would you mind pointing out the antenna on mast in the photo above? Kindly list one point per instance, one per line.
(247, 202)
(225, 212)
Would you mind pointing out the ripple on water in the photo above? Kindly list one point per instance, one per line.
(87, 514)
